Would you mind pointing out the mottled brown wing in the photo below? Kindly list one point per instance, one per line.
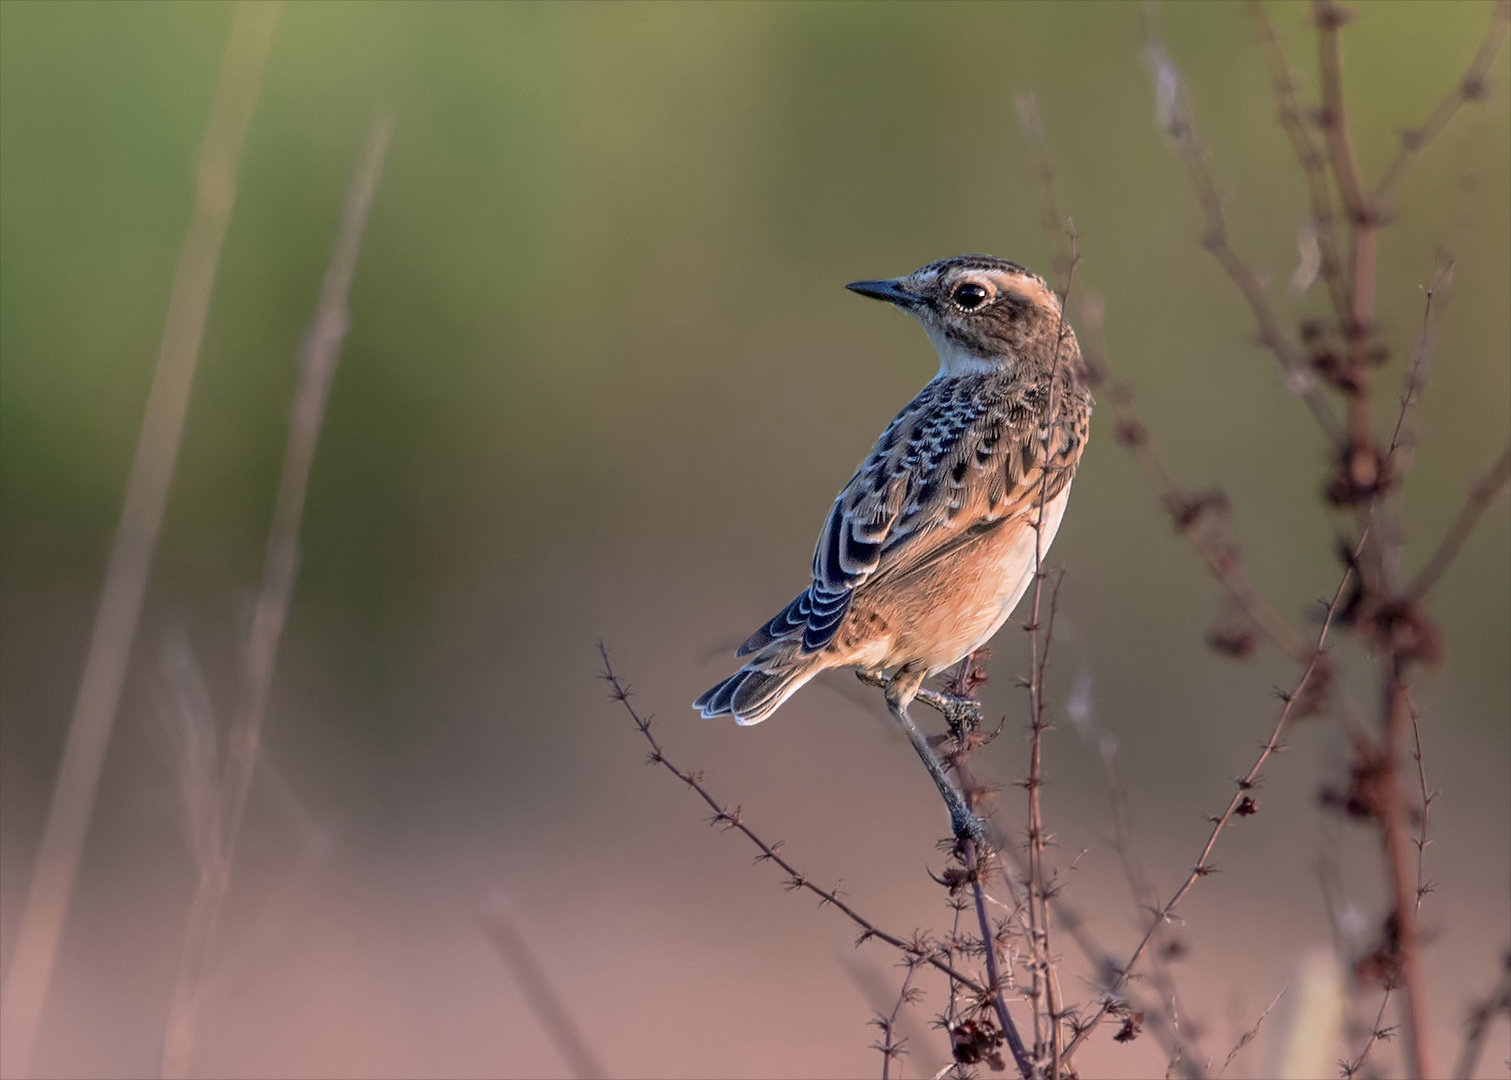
(995, 474)
(963, 456)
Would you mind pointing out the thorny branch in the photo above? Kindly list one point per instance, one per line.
(890, 1046)
(1241, 804)
(1379, 612)
(1166, 1028)
(1044, 986)
(1377, 1033)
(973, 861)
(1423, 885)
(920, 948)
(1401, 453)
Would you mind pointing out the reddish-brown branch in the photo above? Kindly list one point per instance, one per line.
(1329, 17)
(1241, 798)
(1309, 156)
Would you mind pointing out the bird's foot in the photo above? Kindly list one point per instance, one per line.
(962, 714)
(968, 827)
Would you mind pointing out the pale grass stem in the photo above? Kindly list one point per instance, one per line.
(318, 355)
(50, 890)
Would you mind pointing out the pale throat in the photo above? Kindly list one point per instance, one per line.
(956, 360)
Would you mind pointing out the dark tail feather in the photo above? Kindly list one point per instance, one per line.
(750, 695)
(792, 617)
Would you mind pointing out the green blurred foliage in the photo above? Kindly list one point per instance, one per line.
(599, 301)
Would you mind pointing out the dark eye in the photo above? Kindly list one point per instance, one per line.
(969, 295)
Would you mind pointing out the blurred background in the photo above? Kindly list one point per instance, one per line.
(603, 381)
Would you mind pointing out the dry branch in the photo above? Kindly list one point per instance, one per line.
(1242, 804)
(1293, 121)
(890, 1046)
(920, 948)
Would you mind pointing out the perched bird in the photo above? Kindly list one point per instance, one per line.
(931, 544)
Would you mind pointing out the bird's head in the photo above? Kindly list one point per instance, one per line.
(981, 312)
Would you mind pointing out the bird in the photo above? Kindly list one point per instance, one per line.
(931, 544)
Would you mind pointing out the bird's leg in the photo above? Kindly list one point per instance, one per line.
(901, 689)
(962, 714)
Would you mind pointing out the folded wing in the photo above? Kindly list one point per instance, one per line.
(959, 459)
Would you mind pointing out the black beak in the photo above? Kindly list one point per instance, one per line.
(890, 291)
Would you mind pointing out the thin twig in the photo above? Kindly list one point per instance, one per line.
(919, 948)
(1178, 124)
(1484, 1012)
(318, 355)
(1349, 1069)
(1248, 1036)
(890, 1046)
(971, 858)
(1470, 87)
(94, 712)
(1043, 986)
(1401, 453)
(1241, 799)
(188, 718)
(1293, 122)
(1051, 221)
(1480, 498)
(499, 923)
(1391, 817)
(1423, 885)
(974, 859)
(1079, 709)
(1328, 17)
(1191, 514)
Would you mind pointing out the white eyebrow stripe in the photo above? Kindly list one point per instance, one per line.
(1030, 287)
